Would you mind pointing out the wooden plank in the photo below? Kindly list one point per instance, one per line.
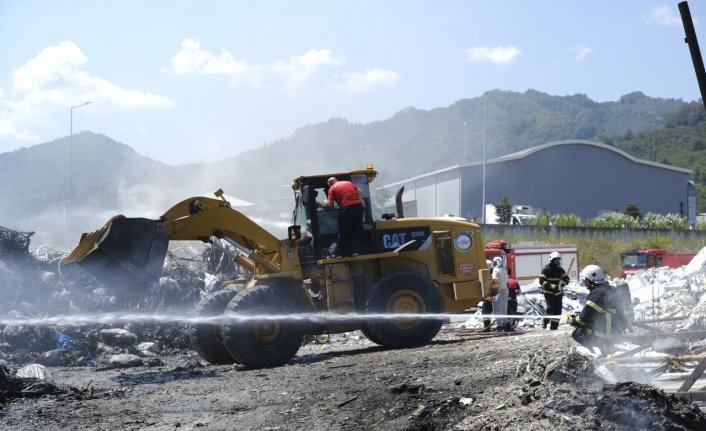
(659, 370)
(664, 319)
(690, 335)
(650, 359)
(689, 382)
(629, 352)
(692, 396)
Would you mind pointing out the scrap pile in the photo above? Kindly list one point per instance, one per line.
(34, 286)
(667, 347)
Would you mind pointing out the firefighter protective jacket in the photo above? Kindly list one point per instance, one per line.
(598, 314)
(552, 278)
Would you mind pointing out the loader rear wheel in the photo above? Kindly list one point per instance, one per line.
(206, 337)
(252, 337)
(404, 292)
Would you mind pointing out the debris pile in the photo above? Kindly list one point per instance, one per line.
(564, 393)
(34, 287)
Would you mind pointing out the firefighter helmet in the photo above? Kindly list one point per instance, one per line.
(593, 274)
(498, 261)
(554, 255)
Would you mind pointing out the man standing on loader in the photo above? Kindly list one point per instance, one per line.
(350, 221)
(553, 279)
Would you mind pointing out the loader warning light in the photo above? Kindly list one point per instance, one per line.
(370, 166)
(295, 232)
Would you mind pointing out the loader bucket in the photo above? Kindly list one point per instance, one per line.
(126, 253)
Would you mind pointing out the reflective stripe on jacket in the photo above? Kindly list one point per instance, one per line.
(553, 276)
(597, 316)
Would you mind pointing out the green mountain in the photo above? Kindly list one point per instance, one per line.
(415, 141)
(68, 182)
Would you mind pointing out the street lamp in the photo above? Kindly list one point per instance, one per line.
(71, 153)
(485, 131)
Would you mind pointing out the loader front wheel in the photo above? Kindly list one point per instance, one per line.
(205, 336)
(253, 337)
(404, 292)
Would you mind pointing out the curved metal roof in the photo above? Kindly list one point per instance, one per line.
(528, 151)
(524, 153)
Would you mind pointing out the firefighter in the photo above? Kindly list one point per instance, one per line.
(513, 289)
(500, 299)
(553, 279)
(487, 307)
(595, 325)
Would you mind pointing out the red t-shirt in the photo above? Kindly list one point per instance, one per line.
(344, 193)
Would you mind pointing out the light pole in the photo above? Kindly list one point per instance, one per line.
(485, 130)
(71, 153)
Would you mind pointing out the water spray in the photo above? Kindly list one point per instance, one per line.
(112, 318)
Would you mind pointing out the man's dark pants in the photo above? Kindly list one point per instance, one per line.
(350, 228)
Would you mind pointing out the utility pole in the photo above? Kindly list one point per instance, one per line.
(485, 129)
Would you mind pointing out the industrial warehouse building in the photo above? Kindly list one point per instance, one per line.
(585, 178)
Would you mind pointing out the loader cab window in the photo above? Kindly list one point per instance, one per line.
(324, 221)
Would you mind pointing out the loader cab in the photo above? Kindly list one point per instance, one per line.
(321, 222)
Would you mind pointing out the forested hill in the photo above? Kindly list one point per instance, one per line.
(416, 141)
(681, 141)
(108, 175)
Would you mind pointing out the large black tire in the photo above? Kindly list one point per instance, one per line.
(263, 343)
(206, 337)
(406, 292)
(370, 336)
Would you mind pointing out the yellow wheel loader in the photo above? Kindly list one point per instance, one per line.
(406, 266)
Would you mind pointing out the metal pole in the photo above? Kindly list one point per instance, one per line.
(693, 43)
(485, 127)
(71, 153)
(464, 142)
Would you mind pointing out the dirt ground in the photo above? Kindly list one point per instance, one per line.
(532, 381)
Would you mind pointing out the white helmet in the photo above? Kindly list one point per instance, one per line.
(594, 274)
(498, 261)
(554, 255)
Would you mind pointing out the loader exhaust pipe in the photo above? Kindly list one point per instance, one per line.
(398, 202)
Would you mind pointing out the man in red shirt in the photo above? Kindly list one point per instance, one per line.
(350, 220)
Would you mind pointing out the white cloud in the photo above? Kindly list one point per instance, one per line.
(299, 69)
(50, 66)
(54, 80)
(580, 52)
(662, 15)
(497, 55)
(191, 59)
(371, 78)
(296, 70)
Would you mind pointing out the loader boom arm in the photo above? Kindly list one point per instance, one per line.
(130, 252)
(200, 218)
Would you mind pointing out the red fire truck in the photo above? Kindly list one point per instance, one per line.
(634, 260)
(525, 260)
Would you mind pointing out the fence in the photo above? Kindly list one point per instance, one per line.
(556, 233)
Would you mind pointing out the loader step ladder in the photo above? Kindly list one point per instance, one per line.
(339, 287)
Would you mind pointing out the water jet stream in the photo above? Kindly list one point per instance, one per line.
(320, 317)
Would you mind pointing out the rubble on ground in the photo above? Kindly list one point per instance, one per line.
(36, 286)
(572, 388)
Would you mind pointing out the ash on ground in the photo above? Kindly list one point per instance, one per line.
(144, 375)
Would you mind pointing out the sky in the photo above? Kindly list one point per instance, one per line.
(198, 81)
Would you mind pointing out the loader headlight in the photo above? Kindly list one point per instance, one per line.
(294, 232)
